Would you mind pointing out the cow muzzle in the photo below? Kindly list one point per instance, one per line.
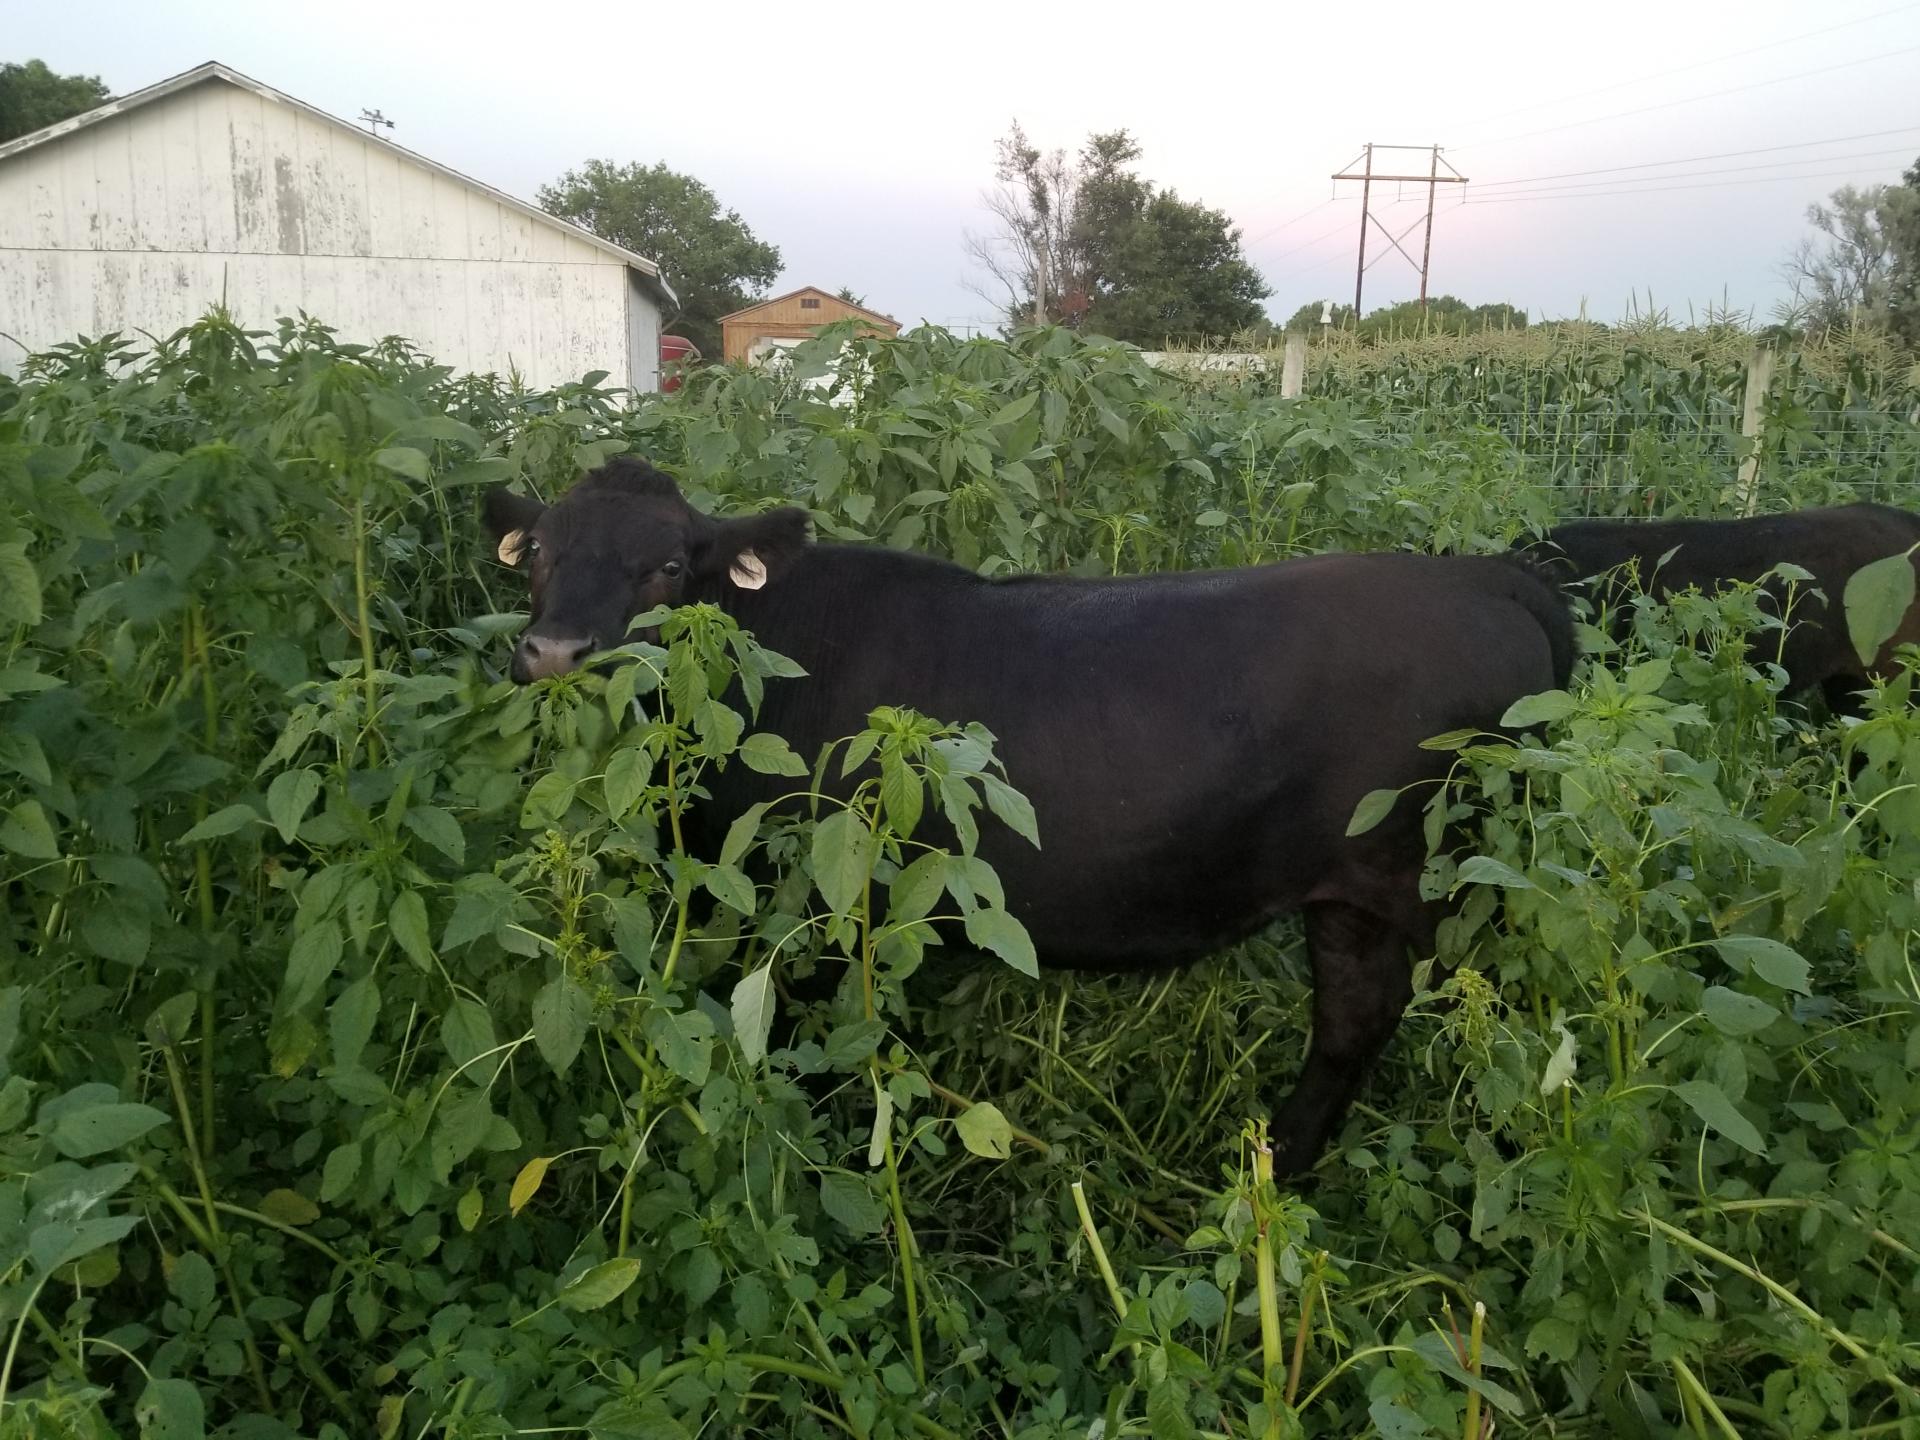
(538, 656)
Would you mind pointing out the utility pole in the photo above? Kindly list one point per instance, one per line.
(373, 120)
(1433, 179)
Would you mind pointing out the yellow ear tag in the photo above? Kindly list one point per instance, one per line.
(510, 543)
(749, 572)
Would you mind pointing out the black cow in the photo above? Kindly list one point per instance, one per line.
(1194, 745)
(1829, 544)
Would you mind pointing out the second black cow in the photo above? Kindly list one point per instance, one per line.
(1669, 556)
(1194, 745)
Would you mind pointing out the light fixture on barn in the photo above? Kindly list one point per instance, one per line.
(373, 120)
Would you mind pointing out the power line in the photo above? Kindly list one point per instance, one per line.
(1289, 224)
(1696, 99)
(1551, 194)
(1722, 155)
(1684, 69)
(1337, 230)
(1704, 174)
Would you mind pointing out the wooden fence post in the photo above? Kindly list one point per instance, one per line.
(1293, 367)
(1759, 381)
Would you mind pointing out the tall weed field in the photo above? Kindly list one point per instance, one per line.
(376, 1060)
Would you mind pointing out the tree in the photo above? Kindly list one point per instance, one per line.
(1306, 320)
(1901, 217)
(714, 263)
(32, 96)
(1845, 278)
(845, 292)
(1089, 244)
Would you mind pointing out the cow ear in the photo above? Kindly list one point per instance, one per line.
(508, 517)
(754, 549)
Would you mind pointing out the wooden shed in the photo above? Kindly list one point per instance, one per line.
(788, 319)
(212, 187)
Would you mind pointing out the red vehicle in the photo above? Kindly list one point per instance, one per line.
(675, 350)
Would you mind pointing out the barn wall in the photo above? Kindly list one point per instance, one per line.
(785, 318)
(643, 337)
(141, 221)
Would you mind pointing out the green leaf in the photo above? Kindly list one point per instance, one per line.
(1005, 936)
(730, 887)
(741, 835)
(467, 1212)
(601, 1285)
(915, 889)
(403, 460)
(1711, 1104)
(626, 780)
(561, 1012)
(1878, 597)
(1547, 706)
(119, 933)
(26, 832)
(1013, 410)
(61, 1242)
(753, 1013)
(770, 755)
(289, 797)
(850, 1200)
(1374, 807)
(309, 964)
(440, 830)
(19, 586)
(1734, 1013)
(1167, 1411)
(467, 1031)
(350, 1021)
(985, 1131)
(340, 1171)
(684, 1040)
(843, 851)
(96, 1129)
(901, 796)
(21, 753)
(222, 822)
(407, 921)
(170, 1410)
(1485, 870)
(1212, 518)
(1773, 962)
(1013, 808)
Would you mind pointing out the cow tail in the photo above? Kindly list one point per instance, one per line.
(1546, 600)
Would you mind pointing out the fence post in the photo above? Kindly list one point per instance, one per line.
(1293, 367)
(1759, 381)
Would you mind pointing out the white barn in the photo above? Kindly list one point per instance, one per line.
(212, 187)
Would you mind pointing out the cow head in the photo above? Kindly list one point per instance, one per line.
(617, 544)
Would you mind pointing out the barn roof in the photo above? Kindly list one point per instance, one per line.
(873, 315)
(648, 271)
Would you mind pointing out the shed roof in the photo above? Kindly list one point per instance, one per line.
(648, 271)
(873, 315)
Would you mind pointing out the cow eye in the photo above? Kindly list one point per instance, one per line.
(530, 547)
(671, 569)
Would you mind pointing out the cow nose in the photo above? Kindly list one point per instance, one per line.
(538, 656)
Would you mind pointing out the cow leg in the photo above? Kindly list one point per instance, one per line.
(1361, 984)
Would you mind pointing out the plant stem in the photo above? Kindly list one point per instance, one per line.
(1690, 1386)
(363, 605)
(1271, 1351)
(1309, 1294)
(1471, 1429)
(907, 1246)
(1114, 1292)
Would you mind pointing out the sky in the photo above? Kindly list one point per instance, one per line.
(859, 137)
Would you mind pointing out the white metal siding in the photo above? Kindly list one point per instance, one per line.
(142, 220)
